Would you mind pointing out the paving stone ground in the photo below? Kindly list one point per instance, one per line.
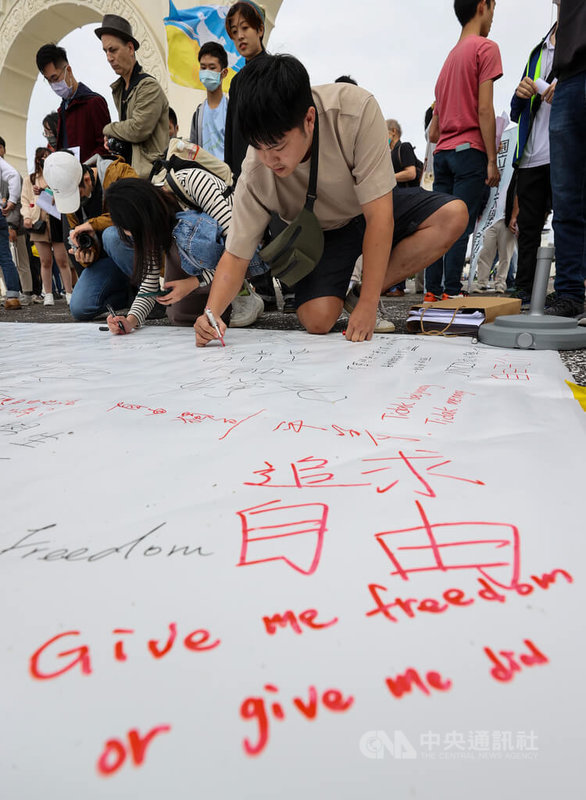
(396, 308)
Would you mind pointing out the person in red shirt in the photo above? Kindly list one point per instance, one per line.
(82, 113)
(464, 128)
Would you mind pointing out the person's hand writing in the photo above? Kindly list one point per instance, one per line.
(127, 324)
(526, 89)
(178, 290)
(361, 323)
(205, 332)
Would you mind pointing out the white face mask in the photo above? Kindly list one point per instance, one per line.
(62, 88)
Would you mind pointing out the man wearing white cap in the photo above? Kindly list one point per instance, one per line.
(78, 192)
(143, 108)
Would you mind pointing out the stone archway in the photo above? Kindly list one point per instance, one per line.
(25, 25)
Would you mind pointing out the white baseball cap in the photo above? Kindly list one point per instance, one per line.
(63, 173)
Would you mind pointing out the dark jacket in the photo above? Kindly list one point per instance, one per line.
(81, 123)
(570, 51)
(235, 145)
(524, 111)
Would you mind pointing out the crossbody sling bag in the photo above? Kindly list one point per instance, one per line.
(296, 251)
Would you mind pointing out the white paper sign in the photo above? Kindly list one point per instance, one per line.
(291, 567)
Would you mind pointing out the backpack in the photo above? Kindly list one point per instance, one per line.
(186, 155)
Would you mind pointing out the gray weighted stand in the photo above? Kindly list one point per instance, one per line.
(535, 330)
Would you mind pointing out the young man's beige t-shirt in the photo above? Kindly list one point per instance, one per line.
(355, 168)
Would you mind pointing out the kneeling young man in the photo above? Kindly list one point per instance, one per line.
(397, 234)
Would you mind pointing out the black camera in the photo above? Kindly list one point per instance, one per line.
(84, 241)
(116, 146)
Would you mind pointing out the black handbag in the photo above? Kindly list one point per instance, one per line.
(40, 226)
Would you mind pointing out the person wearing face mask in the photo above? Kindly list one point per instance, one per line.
(82, 113)
(50, 125)
(208, 124)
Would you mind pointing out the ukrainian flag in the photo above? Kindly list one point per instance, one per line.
(187, 30)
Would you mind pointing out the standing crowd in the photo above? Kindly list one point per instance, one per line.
(306, 191)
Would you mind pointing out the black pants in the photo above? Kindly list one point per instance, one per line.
(534, 195)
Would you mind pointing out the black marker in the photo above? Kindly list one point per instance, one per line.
(113, 313)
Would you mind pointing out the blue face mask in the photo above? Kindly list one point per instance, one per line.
(210, 79)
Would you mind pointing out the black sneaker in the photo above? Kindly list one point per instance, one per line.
(523, 296)
(565, 307)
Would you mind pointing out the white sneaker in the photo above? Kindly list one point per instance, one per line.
(68, 297)
(479, 288)
(25, 300)
(246, 308)
(383, 324)
(49, 300)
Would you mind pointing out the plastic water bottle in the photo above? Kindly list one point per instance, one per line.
(188, 150)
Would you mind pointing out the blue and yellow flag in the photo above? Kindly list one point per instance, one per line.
(187, 30)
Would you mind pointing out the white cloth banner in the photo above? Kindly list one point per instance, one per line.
(291, 567)
(495, 206)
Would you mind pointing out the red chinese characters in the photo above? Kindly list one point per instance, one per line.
(290, 533)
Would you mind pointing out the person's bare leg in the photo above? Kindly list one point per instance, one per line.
(46, 259)
(320, 315)
(64, 265)
(431, 240)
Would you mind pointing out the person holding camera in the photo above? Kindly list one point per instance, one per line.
(46, 231)
(78, 190)
(142, 134)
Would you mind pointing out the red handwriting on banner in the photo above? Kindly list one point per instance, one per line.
(305, 473)
(307, 618)
(454, 546)
(115, 751)
(257, 709)
(138, 407)
(413, 469)
(290, 533)
(299, 425)
(313, 473)
(410, 607)
(505, 667)
(403, 684)
(20, 407)
(190, 417)
(403, 406)
(510, 369)
(50, 652)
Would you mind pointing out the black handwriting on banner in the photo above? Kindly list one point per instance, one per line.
(44, 549)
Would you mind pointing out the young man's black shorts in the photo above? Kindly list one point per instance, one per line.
(342, 247)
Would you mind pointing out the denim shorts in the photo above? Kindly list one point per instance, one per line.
(331, 276)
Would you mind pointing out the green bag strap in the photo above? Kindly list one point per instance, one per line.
(311, 196)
